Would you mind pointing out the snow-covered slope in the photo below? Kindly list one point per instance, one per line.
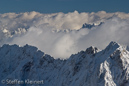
(91, 67)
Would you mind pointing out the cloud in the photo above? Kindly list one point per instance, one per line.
(60, 35)
(63, 44)
(58, 44)
(114, 29)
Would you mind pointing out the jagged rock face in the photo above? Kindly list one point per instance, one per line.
(92, 67)
(91, 50)
(89, 26)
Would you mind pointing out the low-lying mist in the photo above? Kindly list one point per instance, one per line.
(61, 35)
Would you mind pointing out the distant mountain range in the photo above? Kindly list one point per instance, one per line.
(89, 26)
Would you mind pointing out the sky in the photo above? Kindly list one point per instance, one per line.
(65, 6)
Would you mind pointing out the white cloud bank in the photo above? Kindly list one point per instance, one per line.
(46, 31)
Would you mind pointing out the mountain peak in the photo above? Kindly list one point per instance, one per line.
(112, 43)
(91, 50)
(112, 46)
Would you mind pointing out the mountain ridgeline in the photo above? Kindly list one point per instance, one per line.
(92, 67)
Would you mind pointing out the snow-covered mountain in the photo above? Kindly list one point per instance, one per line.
(92, 67)
(89, 26)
